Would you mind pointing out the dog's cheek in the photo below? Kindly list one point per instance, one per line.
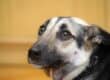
(80, 57)
(88, 45)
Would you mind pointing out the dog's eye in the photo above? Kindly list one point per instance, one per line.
(64, 35)
(43, 27)
(42, 30)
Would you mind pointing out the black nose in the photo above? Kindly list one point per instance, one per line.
(34, 54)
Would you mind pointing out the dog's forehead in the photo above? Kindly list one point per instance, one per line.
(80, 21)
(74, 24)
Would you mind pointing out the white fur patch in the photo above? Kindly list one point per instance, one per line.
(80, 21)
(75, 72)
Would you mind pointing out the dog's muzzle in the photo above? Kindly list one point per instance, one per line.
(53, 63)
(41, 55)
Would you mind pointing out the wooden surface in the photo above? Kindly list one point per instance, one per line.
(14, 64)
(21, 72)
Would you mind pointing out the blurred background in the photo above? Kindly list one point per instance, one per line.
(19, 23)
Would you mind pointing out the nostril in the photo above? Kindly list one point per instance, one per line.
(35, 53)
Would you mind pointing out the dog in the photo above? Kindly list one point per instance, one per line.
(69, 48)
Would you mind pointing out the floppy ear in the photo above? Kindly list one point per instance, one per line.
(97, 35)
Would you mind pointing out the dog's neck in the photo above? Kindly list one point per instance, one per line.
(75, 72)
(88, 74)
(84, 72)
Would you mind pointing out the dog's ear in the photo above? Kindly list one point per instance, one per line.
(97, 35)
(93, 34)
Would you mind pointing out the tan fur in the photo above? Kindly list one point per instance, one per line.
(88, 45)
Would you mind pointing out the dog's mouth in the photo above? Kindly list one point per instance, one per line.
(60, 72)
(54, 73)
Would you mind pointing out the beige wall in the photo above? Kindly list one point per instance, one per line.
(108, 13)
(20, 19)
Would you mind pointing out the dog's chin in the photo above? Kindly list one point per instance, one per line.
(54, 73)
(59, 73)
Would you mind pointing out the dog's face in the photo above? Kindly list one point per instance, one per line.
(64, 47)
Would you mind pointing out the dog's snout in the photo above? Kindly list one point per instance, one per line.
(35, 53)
(33, 56)
(43, 55)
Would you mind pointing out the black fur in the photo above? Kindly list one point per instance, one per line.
(80, 39)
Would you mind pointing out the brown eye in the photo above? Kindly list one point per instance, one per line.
(64, 35)
(43, 27)
(67, 35)
(42, 30)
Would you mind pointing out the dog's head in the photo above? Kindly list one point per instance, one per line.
(64, 46)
